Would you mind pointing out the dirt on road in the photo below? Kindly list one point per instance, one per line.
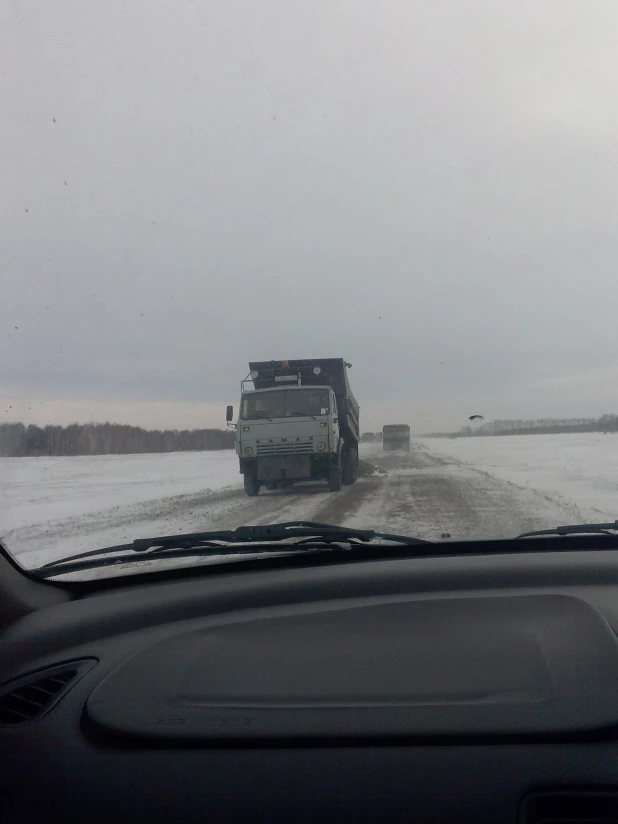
(415, 493)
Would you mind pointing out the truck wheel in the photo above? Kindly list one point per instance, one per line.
(334, 479)
(346, 466)
(252, 486)
(350, 466)
(354, 466)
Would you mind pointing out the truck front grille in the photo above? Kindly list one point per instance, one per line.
(285, 448)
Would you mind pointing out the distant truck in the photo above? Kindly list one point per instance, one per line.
(395, 436)
(299, 422)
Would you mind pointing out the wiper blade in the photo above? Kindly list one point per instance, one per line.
(306, 535)
(255, 534)
(574, 529)
(328, 533)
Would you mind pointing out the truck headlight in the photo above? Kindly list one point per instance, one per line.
(320, 446)
(248, 450)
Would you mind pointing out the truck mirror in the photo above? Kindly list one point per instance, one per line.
(229, 414)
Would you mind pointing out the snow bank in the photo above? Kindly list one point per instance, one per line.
(38, 490)
(575, 469)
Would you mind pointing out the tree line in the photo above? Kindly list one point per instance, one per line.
(539, 426)
(18, 440)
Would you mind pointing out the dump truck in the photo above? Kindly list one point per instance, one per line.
(395, 436)
(298, 421)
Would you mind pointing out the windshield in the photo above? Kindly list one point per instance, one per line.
(285, 403)
(393, 223)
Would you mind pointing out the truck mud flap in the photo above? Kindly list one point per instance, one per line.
(281, 467)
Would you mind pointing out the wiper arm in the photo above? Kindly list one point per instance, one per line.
(312, 535)
(575, 529)
(261, 534)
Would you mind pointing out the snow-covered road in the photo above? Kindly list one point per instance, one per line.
(469, 488)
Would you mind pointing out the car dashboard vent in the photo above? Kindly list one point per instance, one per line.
(30, 697)
(570, 807)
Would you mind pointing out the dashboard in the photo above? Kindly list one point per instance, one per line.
(480, 688)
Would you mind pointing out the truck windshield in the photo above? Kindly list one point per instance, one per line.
(287, 403)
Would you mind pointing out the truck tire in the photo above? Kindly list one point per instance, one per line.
(252, 485)
(334, 478)
(350, 466)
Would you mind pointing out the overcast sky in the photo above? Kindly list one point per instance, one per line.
(428, 189)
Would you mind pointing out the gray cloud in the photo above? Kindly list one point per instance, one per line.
(425, 188)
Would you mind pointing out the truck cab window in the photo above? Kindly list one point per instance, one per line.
(263, 405)
(307, 402)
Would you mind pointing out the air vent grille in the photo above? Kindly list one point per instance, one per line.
(30, 697)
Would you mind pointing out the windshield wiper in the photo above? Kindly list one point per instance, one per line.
(305, 535)
(271, 532)
(574, 529)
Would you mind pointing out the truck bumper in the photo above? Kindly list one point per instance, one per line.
(276, 468)
(283, 467)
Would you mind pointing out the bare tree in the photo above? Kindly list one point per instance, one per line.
(17, 440)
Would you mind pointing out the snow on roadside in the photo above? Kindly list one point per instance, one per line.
(578, 470)
(45, 501)
(37, 490)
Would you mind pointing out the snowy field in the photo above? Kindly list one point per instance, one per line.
(469, 487)
(579, 470)
(60, 500)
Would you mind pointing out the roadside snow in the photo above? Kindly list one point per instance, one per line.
(84, 502)
(579, 470)
(37, 490)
